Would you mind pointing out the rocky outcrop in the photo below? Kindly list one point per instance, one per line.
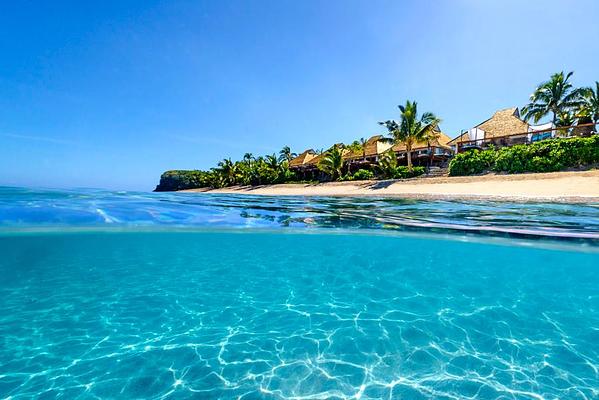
(179, 180)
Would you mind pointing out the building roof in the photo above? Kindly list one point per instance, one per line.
(315, 160)
(442, 141)
(502, 123)
(374, 146)
(303, 158)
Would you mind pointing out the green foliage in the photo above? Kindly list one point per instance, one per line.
(411, 127)
(390, 170)
(332, 163)
(388, 164)
(555, 96)
(472, 162)
(403, 172)
(183, 179)
(545, 156)
(360, 175)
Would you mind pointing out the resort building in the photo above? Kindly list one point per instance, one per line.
(373, 148)
(436, 152)
(504, 128)
(303, 164)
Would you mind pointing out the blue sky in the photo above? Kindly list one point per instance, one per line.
(111, 94)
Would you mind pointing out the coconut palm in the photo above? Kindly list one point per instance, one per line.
(286, 154)
(564, 120)
(363, 143)
(589, 109)
(388, 163)
(332, 162)
(248, 158)
(432, 137)
(410, 128)
(555, 96)
(228, 170)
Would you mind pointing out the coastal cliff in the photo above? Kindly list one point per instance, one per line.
(178, 179)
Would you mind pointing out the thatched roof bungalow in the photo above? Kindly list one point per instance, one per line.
(372, 149)
(435, 152)
(302, 159)
(504, 128)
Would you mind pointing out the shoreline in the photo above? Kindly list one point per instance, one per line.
(564, 187)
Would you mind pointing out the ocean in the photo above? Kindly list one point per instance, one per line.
(175, 296)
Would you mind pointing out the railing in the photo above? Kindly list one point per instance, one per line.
(522, 137)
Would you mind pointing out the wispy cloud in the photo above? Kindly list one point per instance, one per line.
(36, 138)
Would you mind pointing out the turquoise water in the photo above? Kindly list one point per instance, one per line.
(130, 295)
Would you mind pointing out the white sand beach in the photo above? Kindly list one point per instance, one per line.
(574, 186)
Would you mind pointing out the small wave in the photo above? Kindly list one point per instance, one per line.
(28, 207)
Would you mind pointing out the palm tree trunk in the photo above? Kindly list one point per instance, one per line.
(409, 154)
(430, 157)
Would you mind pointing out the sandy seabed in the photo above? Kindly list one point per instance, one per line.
(572, 186)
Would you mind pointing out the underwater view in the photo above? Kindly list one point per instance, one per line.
(175, 296)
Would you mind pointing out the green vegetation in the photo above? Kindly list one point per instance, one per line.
(545, 156)
(556, 97)
(389, 168)
(574, 111)
(331, 162)
(568, 106)
(589, 108)
(411, 128)
(360, 175)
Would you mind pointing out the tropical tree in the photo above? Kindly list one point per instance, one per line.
(432, 137)
(227, 170)
(286, 154)
(388, 163)
(589, 107)
(411, 128)
(555, 96)
(564, 120)
(332, 162)
(363, 144)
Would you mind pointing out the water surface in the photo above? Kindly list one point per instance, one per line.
(118, 295)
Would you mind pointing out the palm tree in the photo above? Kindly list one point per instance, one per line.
(431, 137)
(388, 163)
(410, 128)
(552, 97)
(332, 162)
(228, 170)
(564, 119)
(248, 157)
(363, 143)
(286, 154)
(589, 109)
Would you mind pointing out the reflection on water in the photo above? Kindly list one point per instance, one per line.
(26, 207)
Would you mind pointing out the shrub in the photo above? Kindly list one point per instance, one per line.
(403, 172)
(545, 156)
(472, 162)
(362, 175)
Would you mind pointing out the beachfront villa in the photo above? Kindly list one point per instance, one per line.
(436, 152)
(504, 128)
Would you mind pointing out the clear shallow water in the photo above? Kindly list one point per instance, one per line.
(291, 311)
(27, 208)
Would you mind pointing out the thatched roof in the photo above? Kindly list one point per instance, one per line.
(502, 123)
(303, 158)
(374, 146)
(316, 160)
(442, 141)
